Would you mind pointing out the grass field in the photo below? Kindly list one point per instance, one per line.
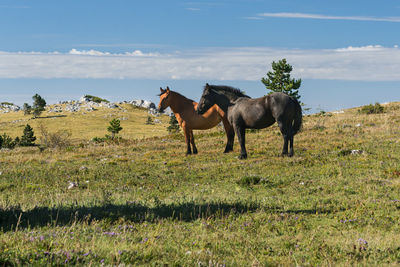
(142, 202)
(84, 125)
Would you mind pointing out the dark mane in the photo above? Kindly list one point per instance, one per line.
(227, 90)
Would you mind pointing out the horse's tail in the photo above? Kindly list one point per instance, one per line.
(298, 118)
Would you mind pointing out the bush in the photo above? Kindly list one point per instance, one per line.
(149, 121)
(7, 142)
(6, 103)
(59, 139)
(249, 180)
(372, 109)
(96, 99)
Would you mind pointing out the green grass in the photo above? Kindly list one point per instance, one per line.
(143, 202)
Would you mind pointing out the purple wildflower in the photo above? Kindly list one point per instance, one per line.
(110, 233)
(102, 260)
(362, 241)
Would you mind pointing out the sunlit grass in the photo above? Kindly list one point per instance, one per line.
(143, 202)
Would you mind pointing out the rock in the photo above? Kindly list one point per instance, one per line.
(143, 104)
(8, 107)
(72, 185)
(357, 152)
(83, 168)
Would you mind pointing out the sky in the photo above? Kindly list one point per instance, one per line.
(346, 52)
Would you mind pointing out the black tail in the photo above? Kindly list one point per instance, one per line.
(298, 119)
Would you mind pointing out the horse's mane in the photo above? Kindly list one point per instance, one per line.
(227, 90)
(178, 95)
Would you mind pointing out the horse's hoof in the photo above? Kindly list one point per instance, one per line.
(241, 156)
(284, 154)
(227, 150)
(194, 151)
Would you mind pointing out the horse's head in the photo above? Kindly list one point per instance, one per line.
(164, 99)
(206, 100)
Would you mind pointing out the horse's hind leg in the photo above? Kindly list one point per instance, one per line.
(291, 152)
(192, 142)
(230, 134)
(240, 132)
(285, 133)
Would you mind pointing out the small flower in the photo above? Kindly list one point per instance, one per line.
(362, 241)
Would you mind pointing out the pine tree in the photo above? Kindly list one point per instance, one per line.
(7, 142)
(27, 109)
(173, 124)
(28, 139)
(279, 79)
(115, 127)
(38, 105)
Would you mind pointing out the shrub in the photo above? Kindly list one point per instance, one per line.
(6, 103)
(372, 109)
(249, 180)
(96, 99)
(149, 121)
(7, 142)
(59, 139)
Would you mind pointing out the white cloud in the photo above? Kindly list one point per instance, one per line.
(367, 48)
(367, 63)
(327, 17)
(193, 9)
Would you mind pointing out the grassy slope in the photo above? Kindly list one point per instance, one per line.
(145, 203)
(84, 125)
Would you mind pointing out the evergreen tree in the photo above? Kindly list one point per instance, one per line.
(173, 124)
(279, 79)
(38, 105)
(7, 142)
(115, 127)
(28, 139)
(149, 120)
(27, 109)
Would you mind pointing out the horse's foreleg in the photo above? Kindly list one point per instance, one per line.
(186, 131)
(192, 142)
(230, 135)
(240, 132)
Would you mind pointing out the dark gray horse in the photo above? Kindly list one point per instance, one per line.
(245, 112)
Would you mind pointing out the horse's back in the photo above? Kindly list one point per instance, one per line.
(200, 122)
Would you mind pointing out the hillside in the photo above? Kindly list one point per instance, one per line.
(336, 202)
(87, 122)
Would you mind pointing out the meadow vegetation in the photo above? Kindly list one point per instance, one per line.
(143, 202)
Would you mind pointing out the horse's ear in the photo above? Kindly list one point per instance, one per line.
(167, 89)
(161, 90)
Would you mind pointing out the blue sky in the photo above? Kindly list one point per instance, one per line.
(346, 52)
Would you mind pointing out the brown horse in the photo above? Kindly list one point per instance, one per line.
(185, 112)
